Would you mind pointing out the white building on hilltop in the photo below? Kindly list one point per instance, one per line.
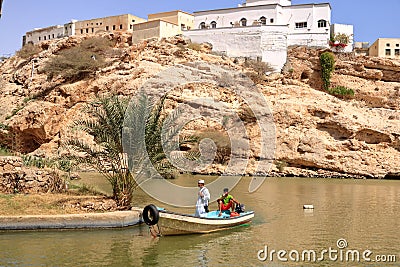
(263, 28)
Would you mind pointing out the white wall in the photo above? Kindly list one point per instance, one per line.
(268, 2)
(274, 46)
(309, 39)
(69, 28)
(310, 13)
(307, 13)
(268, 43)
(45, 34)
(224, 17)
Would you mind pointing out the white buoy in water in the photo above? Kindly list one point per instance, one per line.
(308, 207)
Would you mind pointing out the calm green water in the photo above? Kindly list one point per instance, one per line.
(364, 212)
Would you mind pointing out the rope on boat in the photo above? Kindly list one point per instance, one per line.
(155, 230)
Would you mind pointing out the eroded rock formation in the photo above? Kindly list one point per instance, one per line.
(317, 134)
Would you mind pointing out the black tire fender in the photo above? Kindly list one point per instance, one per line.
(151, 215)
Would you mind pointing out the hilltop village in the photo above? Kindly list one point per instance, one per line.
(318, 133)
(262, 29)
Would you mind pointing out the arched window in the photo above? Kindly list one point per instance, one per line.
(243, 22)
(322, 23)
(202, 25)
(263, 20)
(213, 24)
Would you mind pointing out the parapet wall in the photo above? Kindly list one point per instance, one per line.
(267, 43)
(15, 178)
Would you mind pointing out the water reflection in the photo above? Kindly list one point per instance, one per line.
(364, 212)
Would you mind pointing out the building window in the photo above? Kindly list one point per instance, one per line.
(49, 37)
(397, 52)
(271, 20)
(213, 24)
(300, 25)
(101, 23)
(107, 28)
(120, 27)
(388, 45)
(131, 26)
(92, 29)
(53, 35)
(387, 52)
(243, 22)
(202, 25)
(133, 20)
(87, 30)
(263, 21)
(321, 23)
(44, 37)
(40, 38)
(113, 27)
(397, 45)
(81, 31)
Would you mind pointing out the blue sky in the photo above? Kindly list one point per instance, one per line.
(371, 19)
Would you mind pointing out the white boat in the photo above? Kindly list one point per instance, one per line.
(163, 222)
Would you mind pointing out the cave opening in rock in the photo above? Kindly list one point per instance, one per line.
(304, 75)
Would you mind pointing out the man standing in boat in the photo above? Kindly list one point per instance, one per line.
(226, 202)
(202, 200)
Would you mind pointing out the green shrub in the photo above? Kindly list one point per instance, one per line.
(74, 64)
(85, 189)
(97, 44)
(259, 69)
(14, 112)
(327, 61)
(3, 126)
(341, 91)
(194, 46)
(281, 165)
(28, 51)
(81, 61)
(4, 151)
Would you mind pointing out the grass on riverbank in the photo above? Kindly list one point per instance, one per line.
(47, 204)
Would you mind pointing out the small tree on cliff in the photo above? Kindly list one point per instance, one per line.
(106, 125)
(327, 60)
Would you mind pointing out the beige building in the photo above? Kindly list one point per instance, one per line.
(164, 24)
(122, 23)
(361, 48)
(49, 33)
(385, 47)
(177, 17)
(43, 34)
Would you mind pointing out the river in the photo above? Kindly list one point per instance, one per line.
(363, 215)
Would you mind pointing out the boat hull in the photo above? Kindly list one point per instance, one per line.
(179, 224)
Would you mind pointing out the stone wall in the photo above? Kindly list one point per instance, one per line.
(15, 178)
(268, 43)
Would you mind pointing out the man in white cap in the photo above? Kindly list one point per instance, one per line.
(202, 200)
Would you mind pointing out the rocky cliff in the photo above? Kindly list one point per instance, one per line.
(317, 134)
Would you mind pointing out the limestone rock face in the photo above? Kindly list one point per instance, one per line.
(317, 134)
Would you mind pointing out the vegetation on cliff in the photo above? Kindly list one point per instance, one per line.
(317, 134)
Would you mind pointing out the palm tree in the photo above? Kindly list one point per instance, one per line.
(1, 4)
(114, 154)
